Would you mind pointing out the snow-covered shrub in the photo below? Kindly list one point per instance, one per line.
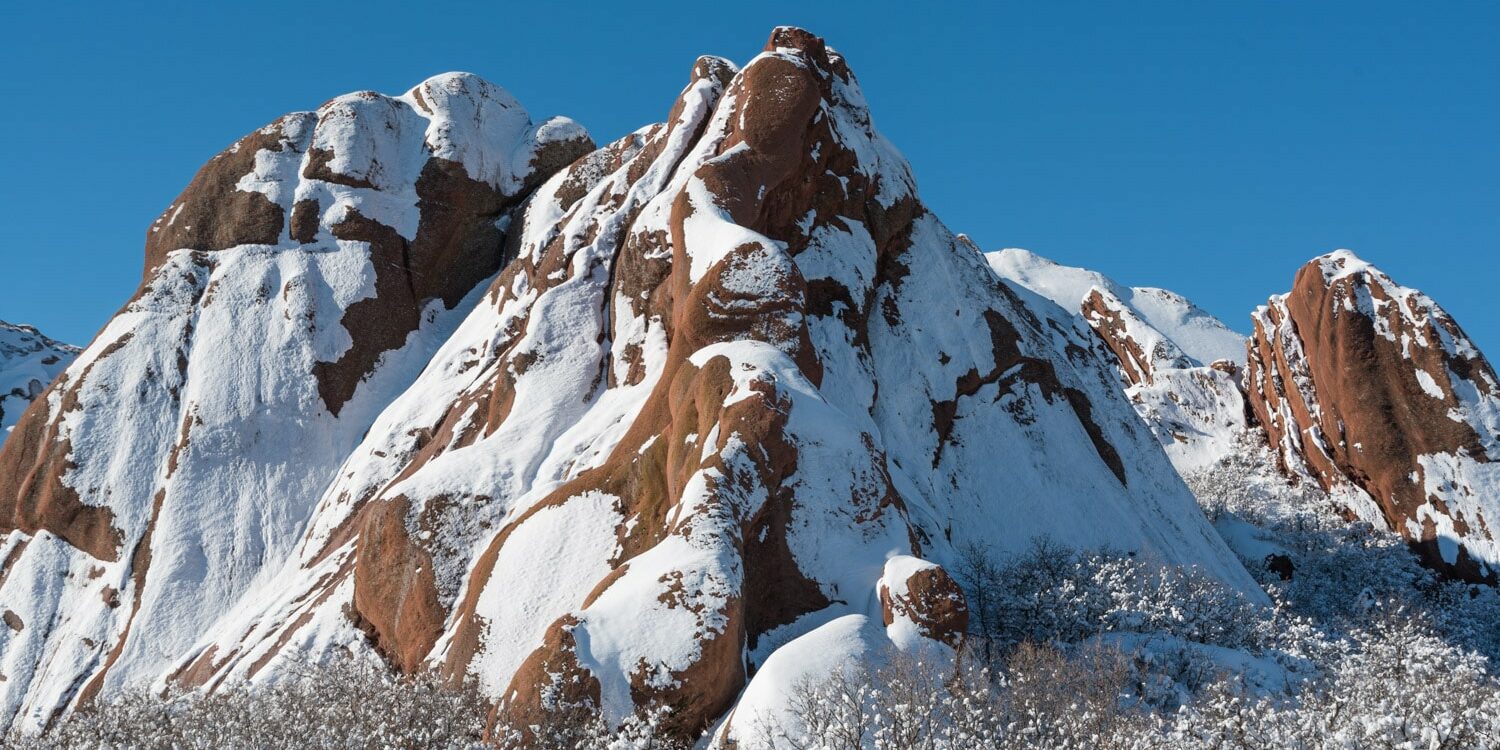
(1043, 699)
(344, 705)
(1398, 687)
(584, 728)
(1344, 575)
(347, 705)
(1052, 594)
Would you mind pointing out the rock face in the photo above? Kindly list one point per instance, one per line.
(736, 390)
(710, 400)
(1180, 367)
(1372, 389)
(299, 283)
(28, 362)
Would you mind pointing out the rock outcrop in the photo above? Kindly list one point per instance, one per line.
(734, 389)
(1373, 390)
(1180, 367)
(28, 362)
(301, 281)
(734, 370)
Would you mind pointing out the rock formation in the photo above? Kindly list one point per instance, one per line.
(1180, 367)
(1374, 391)
(28, 362)
(734, 389)
(301, 281)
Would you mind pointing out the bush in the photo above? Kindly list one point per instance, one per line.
(344, 705)
(1052, 594)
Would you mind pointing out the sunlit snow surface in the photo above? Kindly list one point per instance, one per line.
(198, 412)
(246, 566)
(28, 362)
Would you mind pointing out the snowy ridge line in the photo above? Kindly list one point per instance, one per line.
(1179, 366)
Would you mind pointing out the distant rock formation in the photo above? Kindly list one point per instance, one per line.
(28, 362)
(1180, 366)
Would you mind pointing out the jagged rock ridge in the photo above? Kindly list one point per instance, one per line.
(28, 362)
(1373, 390)
(714, 381)
(735, 394)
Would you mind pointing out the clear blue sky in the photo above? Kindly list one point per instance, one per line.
(1208, 147)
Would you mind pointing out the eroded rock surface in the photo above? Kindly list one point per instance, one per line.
(1373, 389)
(1181, 368)
(734, 391)
(735, 367)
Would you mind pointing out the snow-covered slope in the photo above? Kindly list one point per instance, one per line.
(1374, 390)
(28, 362)
(1191, 329)
(299, 283)
(1179, 365)
(735, 388)
(739, 387)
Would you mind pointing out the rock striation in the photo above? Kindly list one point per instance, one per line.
(300, 282)
(1374, 391)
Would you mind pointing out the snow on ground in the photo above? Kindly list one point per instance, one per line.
(1196, 411)
(29, 361)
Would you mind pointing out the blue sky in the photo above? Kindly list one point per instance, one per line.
(1208, 147)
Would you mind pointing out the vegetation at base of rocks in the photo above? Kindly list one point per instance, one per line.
(342, 705)
(1359, 647)
(1399, 688)
(1342, 573)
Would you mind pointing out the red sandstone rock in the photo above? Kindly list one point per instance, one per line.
(1372, 389)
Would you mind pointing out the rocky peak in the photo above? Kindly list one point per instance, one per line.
(733, 388)
(716, 393)
(1373, 389)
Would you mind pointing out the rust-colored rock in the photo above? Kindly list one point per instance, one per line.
(1373, 390)
(929, 600)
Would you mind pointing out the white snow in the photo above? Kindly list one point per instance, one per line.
(1196, 412)
(205, 420)
(29, 361)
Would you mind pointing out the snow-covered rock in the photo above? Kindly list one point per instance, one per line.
(28, 362)
(1180, 366)
(735, 370)
(1372, 389)
(298, 284)
(735, 388)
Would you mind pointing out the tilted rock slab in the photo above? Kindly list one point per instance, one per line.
(1180, 367)
(1372, 389)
